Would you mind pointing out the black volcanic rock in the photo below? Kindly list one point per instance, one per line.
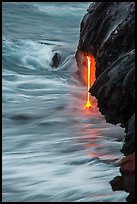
(108, 33)
(56, 60)
(127, 180)
(108, 25)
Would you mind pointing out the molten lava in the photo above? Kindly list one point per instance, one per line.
(91, 78)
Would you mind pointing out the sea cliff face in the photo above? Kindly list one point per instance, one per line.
(107, 33)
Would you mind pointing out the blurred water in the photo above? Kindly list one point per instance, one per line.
(53, 149)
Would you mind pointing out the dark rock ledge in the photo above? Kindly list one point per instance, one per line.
(108, 33)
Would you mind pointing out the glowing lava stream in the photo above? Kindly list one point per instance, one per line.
(88, 104)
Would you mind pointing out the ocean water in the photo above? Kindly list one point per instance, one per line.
(52, 149)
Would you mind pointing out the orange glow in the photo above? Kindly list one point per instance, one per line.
(91, 78)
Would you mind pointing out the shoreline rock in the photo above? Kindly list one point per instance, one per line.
(107, 33)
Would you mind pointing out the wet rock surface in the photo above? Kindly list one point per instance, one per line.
(108, 33)
(56, 60)
(126, 182)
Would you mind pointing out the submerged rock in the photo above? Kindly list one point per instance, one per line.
(127, 180)
(56, 60)
(108, 33)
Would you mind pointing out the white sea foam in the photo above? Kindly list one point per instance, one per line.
(30, 54)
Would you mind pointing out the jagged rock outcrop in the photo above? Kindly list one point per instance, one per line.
(108, 33)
